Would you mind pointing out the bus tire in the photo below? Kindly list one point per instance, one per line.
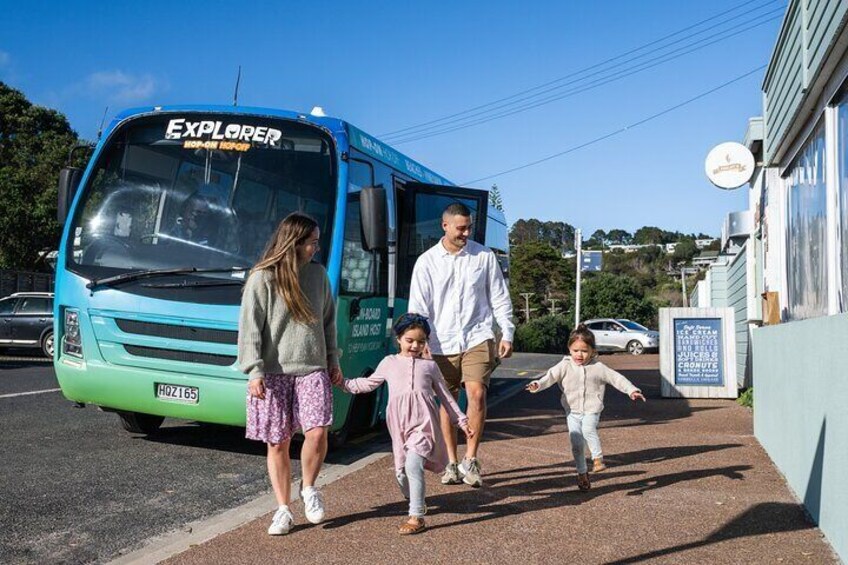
(136, 423)
(336, 439)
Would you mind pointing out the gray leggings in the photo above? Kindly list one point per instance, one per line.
(411, 482)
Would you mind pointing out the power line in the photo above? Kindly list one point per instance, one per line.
(645, 65)
(596, 65)
(618, 131)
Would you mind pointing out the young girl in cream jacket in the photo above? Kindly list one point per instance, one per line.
(583, 380)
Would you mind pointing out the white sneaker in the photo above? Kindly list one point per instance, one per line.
(313, 505)
(453, 475)
(282, 522)
(471, 472)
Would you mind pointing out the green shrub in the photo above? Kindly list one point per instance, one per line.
(546, 334)
(746, 398)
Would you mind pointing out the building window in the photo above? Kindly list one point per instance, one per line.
(806, 244)
(842, 188)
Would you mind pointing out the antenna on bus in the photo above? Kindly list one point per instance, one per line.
(235, 94)
(102, 121)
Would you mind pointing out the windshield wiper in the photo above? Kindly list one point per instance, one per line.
(191, 284)
(136, 275)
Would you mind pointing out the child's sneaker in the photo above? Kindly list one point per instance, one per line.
(583, 481)
(403, 483)
(313, 505)
(471, 471)
(598, 465)
(282, 522)
(453, 475)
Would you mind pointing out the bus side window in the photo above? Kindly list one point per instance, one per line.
(358, 272)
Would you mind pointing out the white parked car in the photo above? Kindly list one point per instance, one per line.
(623, 335)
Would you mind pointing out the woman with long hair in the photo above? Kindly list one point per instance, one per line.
(287, 345)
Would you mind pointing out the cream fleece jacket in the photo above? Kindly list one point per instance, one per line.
(583, 386)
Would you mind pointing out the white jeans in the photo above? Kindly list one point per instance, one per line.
(583, 429)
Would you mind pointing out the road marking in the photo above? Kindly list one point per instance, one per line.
(522, 373)
(29, 393)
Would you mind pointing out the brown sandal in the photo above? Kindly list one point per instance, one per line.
(412, 526)
(583, 481)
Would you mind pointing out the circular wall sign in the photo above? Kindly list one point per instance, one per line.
(729, 165)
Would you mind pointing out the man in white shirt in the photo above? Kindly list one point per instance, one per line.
(458, 284)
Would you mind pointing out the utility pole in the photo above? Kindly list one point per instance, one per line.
(683, 283)
(554, 310)
(527, 309)
(578, 245)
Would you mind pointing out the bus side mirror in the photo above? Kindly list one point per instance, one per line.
(69, 180)
(373, 216)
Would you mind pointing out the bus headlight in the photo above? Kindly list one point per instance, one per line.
(72, 339)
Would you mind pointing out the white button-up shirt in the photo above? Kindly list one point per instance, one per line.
(462, 295)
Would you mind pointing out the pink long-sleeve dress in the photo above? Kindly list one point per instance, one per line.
(412, 415)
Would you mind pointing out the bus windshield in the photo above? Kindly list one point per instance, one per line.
(199, 191)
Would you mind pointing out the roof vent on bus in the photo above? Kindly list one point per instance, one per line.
(318, 111)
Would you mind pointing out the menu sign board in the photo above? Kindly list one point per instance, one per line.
(698, 352)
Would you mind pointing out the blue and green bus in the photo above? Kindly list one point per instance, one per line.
(176, 205)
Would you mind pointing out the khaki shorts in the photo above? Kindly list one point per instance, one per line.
(475, 365)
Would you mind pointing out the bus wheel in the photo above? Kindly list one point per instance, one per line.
(337, 438)
(140, 423)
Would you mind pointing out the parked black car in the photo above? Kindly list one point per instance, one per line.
(26, 320)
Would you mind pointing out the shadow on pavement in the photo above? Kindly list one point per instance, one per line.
(231, 439)
(206, 436)
(531, 494)
(764, 518)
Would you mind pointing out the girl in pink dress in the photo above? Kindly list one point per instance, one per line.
(412, 415)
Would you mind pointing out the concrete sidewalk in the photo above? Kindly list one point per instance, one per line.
(687, 483)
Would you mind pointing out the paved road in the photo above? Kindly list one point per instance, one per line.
(75, 487)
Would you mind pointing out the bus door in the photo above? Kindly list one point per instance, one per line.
(419, 221)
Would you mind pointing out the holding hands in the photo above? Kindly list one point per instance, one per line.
(637, 395)
(256, 388)
(336, 376)
(469, 433)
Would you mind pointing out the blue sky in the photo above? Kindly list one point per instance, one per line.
(389, 65)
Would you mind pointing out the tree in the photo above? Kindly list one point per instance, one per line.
(600, 236)
(684, 251)
(619, 237)
(615, 296)
(649, 234)
(495, 200)
(34, 145)
(539, 268)
(546, 334)
(558, 235)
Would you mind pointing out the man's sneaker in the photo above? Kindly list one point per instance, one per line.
(313, 505)
(403, 483)
(598, 465)
(453, 475)
(471, 471)
(282, 522)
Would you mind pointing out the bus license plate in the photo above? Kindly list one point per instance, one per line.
(177, 393)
